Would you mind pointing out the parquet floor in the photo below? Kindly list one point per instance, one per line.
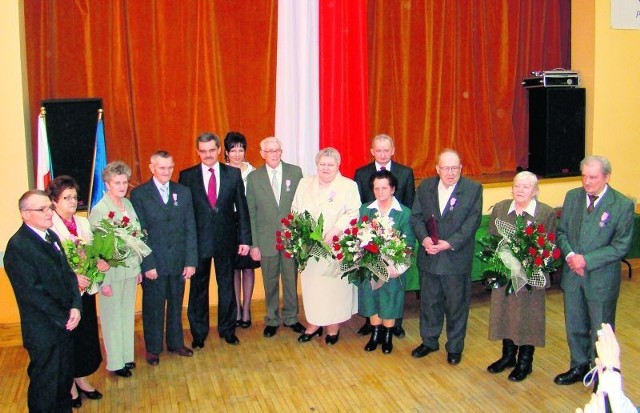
(282, 375)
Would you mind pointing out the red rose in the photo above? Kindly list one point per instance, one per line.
(546, 253)
(556, 253)
(552, 237)
(287, 234)
(287, 254)
(354, 231)
(537, 261)
(125, 221)
(532, 251)
(541, 229)
(336, 247)
(111, 214)
(290, 217)
(336, 238)
(278, 240)
(134, 234)
(279, 247)
(365, 218)
(347, 231)
(286, 222)
(372, 248)
(278, 234)
(541, 241)
(339, 256)
(529, 230)
(353, 222)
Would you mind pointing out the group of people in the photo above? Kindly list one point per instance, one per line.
(230, 213)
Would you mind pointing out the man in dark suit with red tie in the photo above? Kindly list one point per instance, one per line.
(48, 297)
(224, 230)
(165, 211)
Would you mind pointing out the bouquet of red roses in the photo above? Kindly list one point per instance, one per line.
(520, 256)
(116, 240)
(301, 238)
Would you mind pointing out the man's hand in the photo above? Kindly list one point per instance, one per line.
(577, 263)
(188, 272)
(74, 319)
(151, 274)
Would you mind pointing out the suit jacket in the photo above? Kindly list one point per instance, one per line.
(171, 227)
(219, 229)
(458, 225)
(264, 211)
(45, 287)
(405, 191)
(603, 237)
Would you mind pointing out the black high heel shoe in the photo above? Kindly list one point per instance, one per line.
(332, 339)
(93, 395)
(77, 402)
(245, 323)
(304, 337)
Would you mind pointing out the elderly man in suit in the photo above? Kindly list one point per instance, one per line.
(223, 230)
(48, 297)
(594, 234)
(270, 191)
(165, 211)
(382, 150)
(446, 215)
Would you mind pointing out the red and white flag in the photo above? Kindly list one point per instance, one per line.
(43, 171)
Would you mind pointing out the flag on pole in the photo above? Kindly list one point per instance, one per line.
(43, 170)
(99, 162)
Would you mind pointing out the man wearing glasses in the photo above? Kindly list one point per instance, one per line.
(446, 215)
(48, 297)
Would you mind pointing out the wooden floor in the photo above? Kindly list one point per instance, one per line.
(282, 375)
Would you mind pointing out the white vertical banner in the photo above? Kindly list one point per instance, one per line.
(625, 14)
(297, 88)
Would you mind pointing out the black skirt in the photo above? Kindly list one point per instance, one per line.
(86, 342)
(245, 262)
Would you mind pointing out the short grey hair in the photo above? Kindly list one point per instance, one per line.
(159, 154)
(328, 152)
(605, 165)
(526, 176)
(270, 139)
(115, 168)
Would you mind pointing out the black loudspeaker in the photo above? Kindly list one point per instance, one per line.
(556, 131)
(71, 132)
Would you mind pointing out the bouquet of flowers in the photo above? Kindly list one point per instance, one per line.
(82, 261)
(520, 256)
(368, 247)
(301, 238)
(116, 240)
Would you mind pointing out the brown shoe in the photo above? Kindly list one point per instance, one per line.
(184, 351)
(152, 359)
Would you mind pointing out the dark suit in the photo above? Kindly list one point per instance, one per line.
(265, 215)
(591, 300)
(171, 228)
(220, 231)
(405, 191)
(445, 278)
(46, 289)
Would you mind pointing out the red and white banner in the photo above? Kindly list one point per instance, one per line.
(43, 170)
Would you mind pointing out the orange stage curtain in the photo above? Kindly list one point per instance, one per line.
(441, 73)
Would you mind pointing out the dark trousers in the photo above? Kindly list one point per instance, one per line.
(51, 376)
(198, 310)
(440, 296)
(583, 319)
(165, 290)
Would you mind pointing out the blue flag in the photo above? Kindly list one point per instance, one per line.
(99, 162)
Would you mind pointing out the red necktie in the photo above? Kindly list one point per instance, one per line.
(212, 194)
(592, 202)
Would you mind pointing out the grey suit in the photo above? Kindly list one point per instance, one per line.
(171, 229)
(603, 237)
(265, 214)
(445, 278)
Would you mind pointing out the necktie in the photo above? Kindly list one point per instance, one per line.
(49, 239)
(592, 202)
(274, 185)
(383, 168)
(164, 191)
(212, 193)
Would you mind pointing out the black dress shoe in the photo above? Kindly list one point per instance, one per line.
(183, 351)
(152, 359)
(366, 328)
(197, 344)
(270, 331)
(422, 351)
(77, 402)
(232, 339)
(123, 372)
(93, 395)
(305, 337)
(571, 376)
(398, 331)
(130, 365)
(296, 327)
(245, 323)
(332, 339)
(454, 358)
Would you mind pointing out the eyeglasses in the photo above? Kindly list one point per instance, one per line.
(447, 169)
(70, 198)
(44, 210)
(270, 151)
